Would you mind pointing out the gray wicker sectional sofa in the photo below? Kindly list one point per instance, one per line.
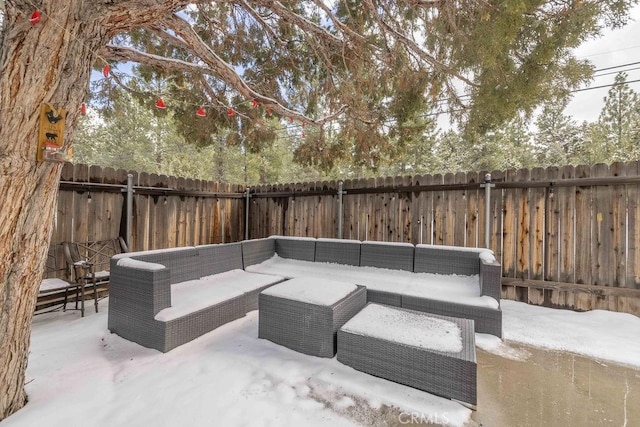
(443, 280)
(163, 299)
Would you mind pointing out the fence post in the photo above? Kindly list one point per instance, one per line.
(487, 211)
(247, 196)
(340, 194)
(129, 209)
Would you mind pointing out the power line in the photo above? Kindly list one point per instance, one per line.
(616, 66)
(611, 51)
(604, 86)
(617, 72)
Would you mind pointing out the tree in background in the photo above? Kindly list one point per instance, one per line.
(310, 62)
(619, 123)
(558, 138)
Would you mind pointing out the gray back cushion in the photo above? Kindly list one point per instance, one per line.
(220, 258)
(395, 256)
(446, 261)
(301, 248)
(257, 250)
(338, 251)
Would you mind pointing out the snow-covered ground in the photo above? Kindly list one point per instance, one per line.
(80, 374)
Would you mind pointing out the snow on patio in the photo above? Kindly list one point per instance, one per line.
(80, 374)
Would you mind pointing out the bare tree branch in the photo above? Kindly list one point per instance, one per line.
(163, 35)
(122, 53)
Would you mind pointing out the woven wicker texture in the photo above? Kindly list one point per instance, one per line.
(306, 328)
(491, 279)
(487, 320)
(340, 252)
(257, 251)
(394, 257)
(446, 261)
(300, 249)
(184, 264)
(451, 375)
(216, 259)
(382, 297)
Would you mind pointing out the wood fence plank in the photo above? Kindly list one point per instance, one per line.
(537, 225)
(583, 250)
(439, 211)
(633, 250)
(566, 202)
(523, 248)
(510, 233)
(618, 274)
(602, 223)
(497, 216)
(472, 214)
(81, 206)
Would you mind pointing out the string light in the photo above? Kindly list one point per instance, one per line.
(200, 112)
(83, 109)
(105, 70)
(160, 104)
(36, 17)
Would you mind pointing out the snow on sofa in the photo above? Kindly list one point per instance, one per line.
(443, 280)
(162, 299)
(165, 298)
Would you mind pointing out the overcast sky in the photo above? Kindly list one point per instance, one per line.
(614, 48)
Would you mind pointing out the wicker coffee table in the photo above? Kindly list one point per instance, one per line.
(425, 351)
(304, 314)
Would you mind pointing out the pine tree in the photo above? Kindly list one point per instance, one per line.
(558, 136)
(619, 121)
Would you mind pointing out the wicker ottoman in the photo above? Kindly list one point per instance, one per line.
(304, 314)
(425, 351)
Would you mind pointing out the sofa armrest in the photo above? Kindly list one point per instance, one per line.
(490, 278)
(139, 285)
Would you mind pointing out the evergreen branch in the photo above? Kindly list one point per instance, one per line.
(413, 46)
(339, 25)
(307, 26)
(259, 19)
(226, 72)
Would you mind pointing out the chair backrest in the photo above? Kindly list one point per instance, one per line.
(56, 266)
(98, 253)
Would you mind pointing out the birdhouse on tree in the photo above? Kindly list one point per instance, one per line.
(51, 134)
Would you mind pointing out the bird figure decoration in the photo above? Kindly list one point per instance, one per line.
(53, 119)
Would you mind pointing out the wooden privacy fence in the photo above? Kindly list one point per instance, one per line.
(167, 211)
(567, 237)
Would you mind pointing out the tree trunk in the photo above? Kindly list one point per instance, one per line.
(46, 62)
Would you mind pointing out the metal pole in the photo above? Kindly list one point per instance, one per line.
(247, 196)
(487, 212)
(340, 193)
(129, 210)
